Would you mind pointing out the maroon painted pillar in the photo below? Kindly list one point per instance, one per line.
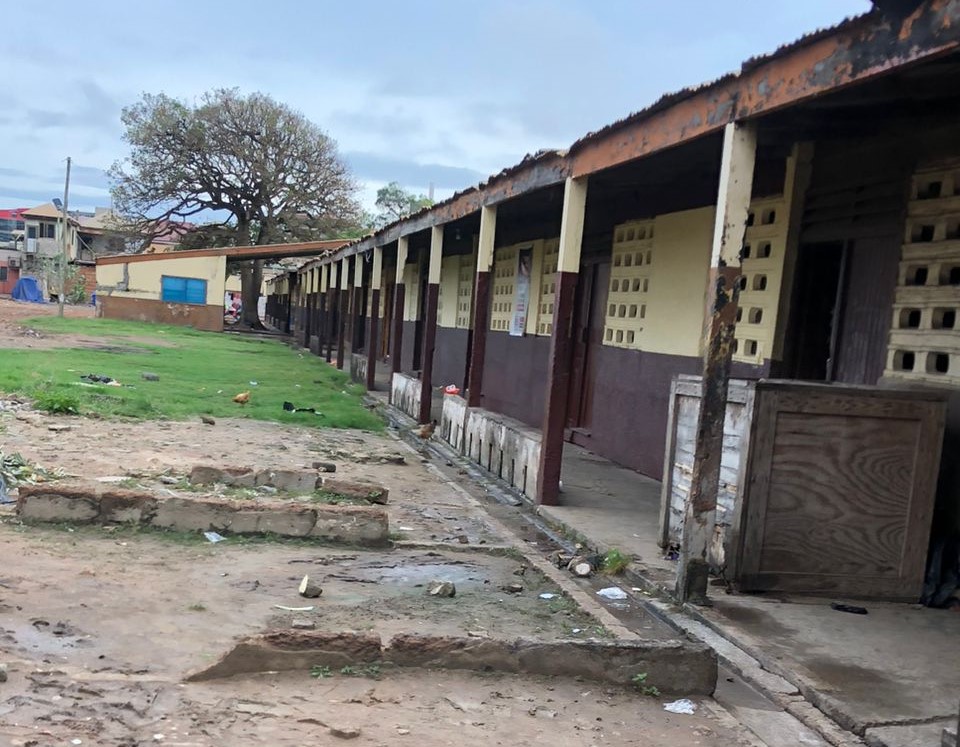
(430, 323)
(344, 310)
(399, 301)
(481, 305)
(376, 279)
(372, 339)
(558, 367)
(558, 390)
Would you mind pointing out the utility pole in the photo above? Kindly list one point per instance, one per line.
(65, 258)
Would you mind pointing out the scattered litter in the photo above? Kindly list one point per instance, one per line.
(59, 428)
(169, 480)
(684, 706)
(612, 592)
(451, 389)
(309, 589)
(16, 470)
(76, 741)
(254, 383)
(576, 630)
(548, 595)
(293, 609)
(113, 478)
(851, 608)
(290, 407)
(442, 589)
(635, 588)
(214, 537)
(207, 420)
(98, 378)
(405, 529)
(303, 625)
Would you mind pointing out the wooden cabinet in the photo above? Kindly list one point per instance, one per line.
(836, 487)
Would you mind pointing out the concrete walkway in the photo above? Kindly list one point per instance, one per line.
(891, 676)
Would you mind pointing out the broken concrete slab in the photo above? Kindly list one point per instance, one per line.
(88, 503)
(288, 480)
(673, 666)
(48, 505)
(914, 735)
(359, 490)
(284, 651)
(287, 521)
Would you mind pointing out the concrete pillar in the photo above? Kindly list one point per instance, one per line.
(322, 280)
(430, 323)
(720, 317)
(399, 301)
(344, 308)
(558, 366)
(481, 304)
(373, 334)
(333, 300)
(356, 321)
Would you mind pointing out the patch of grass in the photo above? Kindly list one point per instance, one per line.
(197, 607)
(47, 397)
(615, 562)
(200, 372)
(367, 670)
(639, 681)
(320, 672)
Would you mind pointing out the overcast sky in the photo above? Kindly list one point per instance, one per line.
(417, 92)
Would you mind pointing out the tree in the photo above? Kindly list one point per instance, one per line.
(394, 203)
(263, 171)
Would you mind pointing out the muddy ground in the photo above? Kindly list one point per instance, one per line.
(100, 625)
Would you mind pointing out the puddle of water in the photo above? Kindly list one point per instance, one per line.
(42, 640)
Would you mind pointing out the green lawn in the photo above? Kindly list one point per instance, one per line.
(200, 372)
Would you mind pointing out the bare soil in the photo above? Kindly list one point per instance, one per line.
(99, 626)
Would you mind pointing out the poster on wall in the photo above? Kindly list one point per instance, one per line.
(521, 296)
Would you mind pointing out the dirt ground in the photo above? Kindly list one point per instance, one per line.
(100, 625)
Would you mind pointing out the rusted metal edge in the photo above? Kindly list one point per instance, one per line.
(854, 51)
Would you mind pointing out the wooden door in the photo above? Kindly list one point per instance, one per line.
(840, 490)
(588, 321)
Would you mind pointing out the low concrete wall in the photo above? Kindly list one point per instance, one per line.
(405, 394)
(673, 666)
(207, 317)
(453, 421)
(504, 446)
(358, 367)
(82, 503)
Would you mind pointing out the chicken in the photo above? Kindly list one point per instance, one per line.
(242, 398)
(426, 430)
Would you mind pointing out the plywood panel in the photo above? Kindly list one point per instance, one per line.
(840, 489)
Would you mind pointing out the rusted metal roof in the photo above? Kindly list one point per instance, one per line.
(266, 251)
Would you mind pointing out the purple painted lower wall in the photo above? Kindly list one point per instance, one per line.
(450, 356)
(515, 376)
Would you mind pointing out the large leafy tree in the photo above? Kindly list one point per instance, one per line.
(254, 169)
(394, 202)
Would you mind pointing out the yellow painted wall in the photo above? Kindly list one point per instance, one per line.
(144, 278)
(449, 287)
(678, 282)
(411, 279)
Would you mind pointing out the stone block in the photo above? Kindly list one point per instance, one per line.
(239, 477)
(359, 490)
(54, 506)
(286, 521)
(126, 507)
(184, 514)
(203, 475)
(288, 480)
(353, 525)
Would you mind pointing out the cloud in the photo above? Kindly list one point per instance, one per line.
(379, 168)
